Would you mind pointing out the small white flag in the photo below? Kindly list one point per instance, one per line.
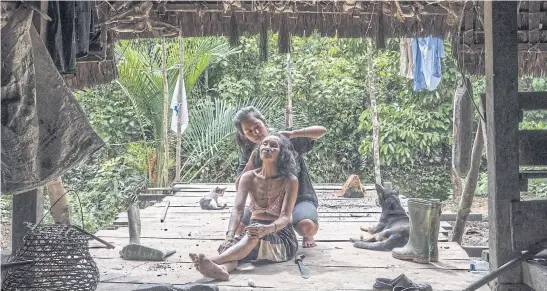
(179, 114)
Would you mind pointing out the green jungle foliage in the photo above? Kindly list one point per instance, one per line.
(330, 88)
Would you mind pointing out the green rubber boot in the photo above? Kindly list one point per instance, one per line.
(435, 227)
(417, 248)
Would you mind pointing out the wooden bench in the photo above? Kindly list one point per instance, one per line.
(524, 176)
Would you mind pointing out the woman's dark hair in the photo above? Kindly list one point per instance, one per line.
(242, 115)
(286, 160)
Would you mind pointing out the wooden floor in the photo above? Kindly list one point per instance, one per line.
(334, 264)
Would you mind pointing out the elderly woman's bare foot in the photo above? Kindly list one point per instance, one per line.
(211, 270)
(195, 259)
(308, 242)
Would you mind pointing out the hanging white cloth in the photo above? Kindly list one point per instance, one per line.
(406, 58)
(179, 114)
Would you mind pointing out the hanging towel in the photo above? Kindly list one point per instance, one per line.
(183, 111)
(406, 59)
(427, 53)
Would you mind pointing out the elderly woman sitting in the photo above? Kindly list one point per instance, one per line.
(270, 236)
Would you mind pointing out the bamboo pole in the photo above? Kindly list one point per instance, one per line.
(179, 106)
(375, 124)
(165, 162)
(288, 108)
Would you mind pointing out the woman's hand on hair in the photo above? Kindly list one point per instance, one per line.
(259, 230)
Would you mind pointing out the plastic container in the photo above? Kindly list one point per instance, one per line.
(479, 265)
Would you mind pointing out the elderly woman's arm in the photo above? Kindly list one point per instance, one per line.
(248, 167)
(237, 211)
(245, 184)
(285, 217)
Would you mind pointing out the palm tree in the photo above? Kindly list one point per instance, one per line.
(140, 77)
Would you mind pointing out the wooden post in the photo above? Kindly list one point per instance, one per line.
(501, 67)
(27, 207)
(165, 129)
(58, 200)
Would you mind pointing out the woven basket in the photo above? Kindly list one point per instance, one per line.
(61, 261)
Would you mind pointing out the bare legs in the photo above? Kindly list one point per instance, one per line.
(307, 229)
(218, 267)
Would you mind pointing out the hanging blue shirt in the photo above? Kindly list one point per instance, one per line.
(427, 54)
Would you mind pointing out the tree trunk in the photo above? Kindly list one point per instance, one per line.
(456, 184)
(470, 185)
(462, 134)
(59, 201)
(179, 106)
(375, 124)
(288, 108)
(165, 128)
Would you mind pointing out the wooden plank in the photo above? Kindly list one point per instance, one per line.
(325, 234)
(474, 251)
(27, 207)
(446, 225)
(359, 205)
(320, 193)
(179, 209)
(231, 186)
(501, 68)
(533, 174)
(535, 275)
(532, 149)
(452, 217)
(532, 100)
(528, 223)
(448, 250)
(286, 275)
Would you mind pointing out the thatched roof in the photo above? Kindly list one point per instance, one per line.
(342, 18)
(459, 21)
(532, 34)
(92, 73)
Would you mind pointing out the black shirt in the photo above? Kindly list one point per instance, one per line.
(301, 145)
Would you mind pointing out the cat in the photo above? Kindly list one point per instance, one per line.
(210, 200)
(393, 229)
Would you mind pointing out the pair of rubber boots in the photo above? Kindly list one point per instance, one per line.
(425, 222)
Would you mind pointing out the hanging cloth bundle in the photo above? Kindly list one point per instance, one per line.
(44, 130)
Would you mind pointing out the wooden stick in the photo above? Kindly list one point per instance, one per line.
(12, 265)
(165, 128)
(162, 219)
(107, 244)
(507, 266)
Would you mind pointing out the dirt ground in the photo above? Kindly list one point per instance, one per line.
(476, 232)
